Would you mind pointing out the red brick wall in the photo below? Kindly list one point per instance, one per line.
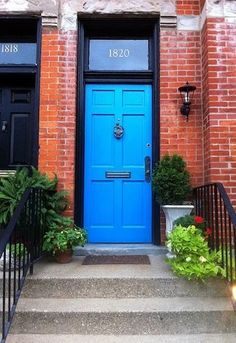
(206, 59)
(202, 3)
(181, 62)
(49, 101)
(219, 71)
(188, 7)
(58, 106)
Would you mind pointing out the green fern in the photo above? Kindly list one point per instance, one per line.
(13, 187)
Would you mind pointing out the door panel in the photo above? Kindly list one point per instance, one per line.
(20, 139)
(16, 122)
(117, 199)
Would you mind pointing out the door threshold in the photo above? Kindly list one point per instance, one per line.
(120, 249)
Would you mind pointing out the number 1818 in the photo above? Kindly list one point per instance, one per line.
(9, 48)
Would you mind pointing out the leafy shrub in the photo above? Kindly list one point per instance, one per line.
(171, 180)
(193, 258)
(13, 187)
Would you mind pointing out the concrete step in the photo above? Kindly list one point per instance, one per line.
(121, 288)
(199, 338)
(151, 316)
(52, 280)
(48, 268)
(145, 300)
(120, 249)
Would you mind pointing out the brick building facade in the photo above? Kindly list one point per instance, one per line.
(196, 43)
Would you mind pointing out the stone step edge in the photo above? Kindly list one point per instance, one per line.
(44, 338)
(208, 283)
(163, 284)
(124, 305)
(120, 249)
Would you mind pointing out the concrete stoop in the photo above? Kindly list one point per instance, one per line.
(120, 303)
(200, 338)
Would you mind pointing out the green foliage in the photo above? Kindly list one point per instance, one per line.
(55, 203)
(192, 256)
(17, 249)
(13, 187)
(171, 180)
(62, 232)
(63, 236)
(11, 190)
(190, 220)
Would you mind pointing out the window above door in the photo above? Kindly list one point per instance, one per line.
(118, 49)
(18, 42)
(115, 54)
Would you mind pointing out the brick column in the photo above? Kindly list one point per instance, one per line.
(219, 101)
(49, 101)
(58, 106)
(180, 61)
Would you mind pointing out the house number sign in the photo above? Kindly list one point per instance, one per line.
(18, 53)
(9, 48)
(118, 54)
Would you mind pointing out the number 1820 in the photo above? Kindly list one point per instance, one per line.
(118, 53)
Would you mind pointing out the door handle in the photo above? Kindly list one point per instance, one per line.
(147, 169)
(4, 126)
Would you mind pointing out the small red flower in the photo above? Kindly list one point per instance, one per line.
(198, 220)
(208, 231)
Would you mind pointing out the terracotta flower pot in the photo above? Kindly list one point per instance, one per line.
(64, 256)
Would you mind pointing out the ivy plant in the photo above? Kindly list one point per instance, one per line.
(192, 256)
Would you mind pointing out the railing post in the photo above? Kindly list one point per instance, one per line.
(217, 210)
(21, 240)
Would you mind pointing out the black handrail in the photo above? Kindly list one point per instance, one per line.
(212, 203)
(20, 246)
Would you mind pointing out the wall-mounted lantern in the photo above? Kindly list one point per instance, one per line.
(185, 92)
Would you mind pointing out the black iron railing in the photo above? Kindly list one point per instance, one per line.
(20, 247)
(213, 203)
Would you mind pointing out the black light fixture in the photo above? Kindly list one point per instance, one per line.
(185, 94)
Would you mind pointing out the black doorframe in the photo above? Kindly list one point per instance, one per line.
(30, 70)
(85, 27)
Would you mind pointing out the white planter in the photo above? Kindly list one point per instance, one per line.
(173, 212)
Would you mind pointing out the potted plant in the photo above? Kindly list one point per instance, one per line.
(171, 186)
(62, 238)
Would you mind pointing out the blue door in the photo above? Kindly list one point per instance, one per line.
(117, 189)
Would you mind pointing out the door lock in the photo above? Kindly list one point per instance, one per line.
(4, 126)
(147, 169)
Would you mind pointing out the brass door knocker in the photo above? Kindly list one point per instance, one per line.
(118, 131)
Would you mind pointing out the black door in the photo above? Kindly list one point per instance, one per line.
(16, 122)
